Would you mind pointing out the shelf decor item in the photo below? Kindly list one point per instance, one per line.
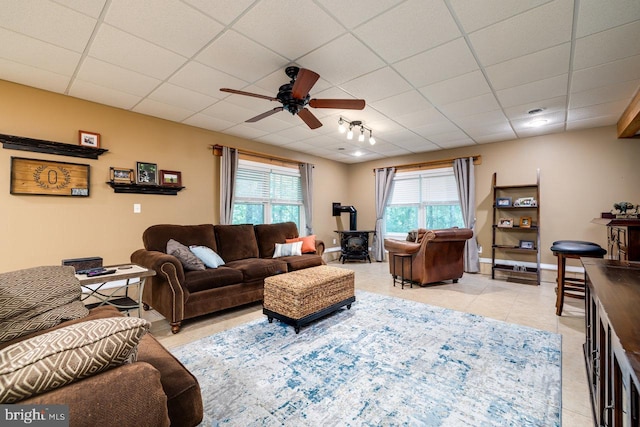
(146, 173)
(525, 222)
(503, 202)
(526, 244)
(525, 202)
(89, 139)
(44, 177)
(505, 222)
(121, 175)
(171, 178)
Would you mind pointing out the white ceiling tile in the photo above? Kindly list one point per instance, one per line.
(182, 97)
(474, 15)
(420, 118)
(289, 28)
(114, 77)
(276, 139)
(480, 130)
(354, 12)
(529, 68)
(606, 74)
(167, 23)
(615, 108)
(597, 15)
(271, 124)
(496, 137)
(377, 85)
(205, 80)
(103, 95)
(453, 143)
(344, 59)
(224, 11)
(622, 91)
(549, 105)
(35, 53)
(208, 122)
(31, 76)
(404, 103)
(545, 26)
(48, 21)
(495, 117)
(92, 8)
(393, 35)
(441, 63)
(436, 128)
(227, 111)
(470, 106)
(543, 89)
(154, 108)
(542, 130)
(610, 45)
(240, 57)
(456, 89)
(244, 131)
(130, 52)
(593, 122)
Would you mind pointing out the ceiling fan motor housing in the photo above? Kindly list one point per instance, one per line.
(290, 103)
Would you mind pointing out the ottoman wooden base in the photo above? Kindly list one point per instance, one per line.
(302, 296)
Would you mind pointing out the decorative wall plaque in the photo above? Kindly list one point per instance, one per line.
(44, 177)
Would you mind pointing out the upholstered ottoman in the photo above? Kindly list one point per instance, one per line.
(302, 296)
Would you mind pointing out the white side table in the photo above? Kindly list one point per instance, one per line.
(106, 289)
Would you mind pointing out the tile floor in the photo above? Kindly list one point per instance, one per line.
(527, 305)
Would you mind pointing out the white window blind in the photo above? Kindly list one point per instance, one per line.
(256, 182)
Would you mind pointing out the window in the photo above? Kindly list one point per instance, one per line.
(423, 199)
(267, 194)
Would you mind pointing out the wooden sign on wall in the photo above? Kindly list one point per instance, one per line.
(44, 177)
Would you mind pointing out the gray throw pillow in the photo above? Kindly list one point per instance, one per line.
(188, 260)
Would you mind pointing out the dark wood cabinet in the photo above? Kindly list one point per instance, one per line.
(612, 344)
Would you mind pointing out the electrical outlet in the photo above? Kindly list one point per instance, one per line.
(335, 241)
(137, 208)
(479, 249)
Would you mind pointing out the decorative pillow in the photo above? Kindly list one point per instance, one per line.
(188, 260)
(38, 298)
(60, 357)
(207, 256)
(287, 249)
(308, 243)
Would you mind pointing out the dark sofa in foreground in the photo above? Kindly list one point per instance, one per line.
(247, 250)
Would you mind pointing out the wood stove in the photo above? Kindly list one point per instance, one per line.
(354, 244)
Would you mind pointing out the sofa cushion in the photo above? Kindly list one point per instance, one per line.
(308, 243)
(68, 354)
(270, 234)
(304, 261)
(38, 298)
(287, 249)
(187, 258)
(155, 238)
(210, 278)
(236, 242)
(207, 256)
(258, 268)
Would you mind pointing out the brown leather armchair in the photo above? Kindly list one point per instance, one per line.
(436, 255)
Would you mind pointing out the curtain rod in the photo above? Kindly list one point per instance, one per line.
(217, 151)
(477, 160)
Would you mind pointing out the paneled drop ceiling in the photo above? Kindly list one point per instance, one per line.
(436, 74)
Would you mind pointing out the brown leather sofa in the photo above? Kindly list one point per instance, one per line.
(247, 251)
(156, 390)
(436, 255)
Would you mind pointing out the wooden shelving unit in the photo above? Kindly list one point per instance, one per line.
(507, 241)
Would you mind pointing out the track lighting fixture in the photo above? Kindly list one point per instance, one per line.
(356, 123)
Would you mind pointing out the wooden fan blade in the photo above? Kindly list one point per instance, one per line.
(341, 104)
(308, 117)
(263, 115)
(255, 95)
(304, 82)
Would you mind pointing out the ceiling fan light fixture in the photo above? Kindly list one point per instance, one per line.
(342, 122)
(372, 140)
(361, 136)
(341, 127)
(350, 133)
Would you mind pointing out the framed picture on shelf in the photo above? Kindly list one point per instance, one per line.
(171, 178)
(146, 173)
(89, 139)
(505, 222)
(525, 222)
(121, 175)
(525, 202)
(503, 202)
(526, 244)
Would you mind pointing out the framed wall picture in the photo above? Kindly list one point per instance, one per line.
(146, 173)
(526, 244)
(44, 177)
(89, 139)
(171, 178)
(505, 222)
(525, 222)
(503, 202)
(121, 175)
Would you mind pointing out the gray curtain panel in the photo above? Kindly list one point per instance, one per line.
(228, 171)
(306, 180)
(384, 187)
(465, 178)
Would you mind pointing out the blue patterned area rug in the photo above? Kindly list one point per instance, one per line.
(387, 361)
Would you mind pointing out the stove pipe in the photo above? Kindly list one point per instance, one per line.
(353, 214)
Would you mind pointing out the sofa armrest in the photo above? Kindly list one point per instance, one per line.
(401, 246)
(129, 395)
(319, 247)
(154, 260)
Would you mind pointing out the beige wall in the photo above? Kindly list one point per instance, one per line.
(582, 174)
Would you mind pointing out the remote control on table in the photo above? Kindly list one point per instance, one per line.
(100, 273)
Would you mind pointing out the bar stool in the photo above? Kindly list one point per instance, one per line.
(564, 249)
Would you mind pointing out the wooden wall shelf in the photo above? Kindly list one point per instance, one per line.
(49, 147)
(144, 189)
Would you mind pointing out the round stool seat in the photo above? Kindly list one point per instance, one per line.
(578, 248)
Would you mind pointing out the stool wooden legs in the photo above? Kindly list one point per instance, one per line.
(569, 287)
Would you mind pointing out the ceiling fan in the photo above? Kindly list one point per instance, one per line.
(294, 97)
